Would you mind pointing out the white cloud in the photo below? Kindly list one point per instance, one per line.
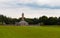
(25, 1)
(29, 13)
(49, 2)
(42, 2)
(6, 0)
(11, 9)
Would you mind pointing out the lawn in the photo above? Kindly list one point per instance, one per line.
(29, 31)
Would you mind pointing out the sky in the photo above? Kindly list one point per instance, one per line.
(31, 8)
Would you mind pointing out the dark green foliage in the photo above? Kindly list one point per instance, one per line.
(7, 20)
(29, 20)
(52, 20)
(43, 19)
(32, 21)
(36, 21)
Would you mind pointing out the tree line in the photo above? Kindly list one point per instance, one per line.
(43, 20)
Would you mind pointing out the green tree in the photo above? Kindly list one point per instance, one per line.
(43, 19)
(52, 20)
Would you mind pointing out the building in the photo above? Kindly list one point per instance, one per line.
(22, 22)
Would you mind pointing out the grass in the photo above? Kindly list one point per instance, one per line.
(29, 31)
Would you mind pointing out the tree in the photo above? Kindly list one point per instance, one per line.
(52, 21)
(36, 21)
(43, 19)
(58, 21)
(2, 19)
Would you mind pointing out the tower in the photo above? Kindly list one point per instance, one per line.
(22, 16)
(23, 22)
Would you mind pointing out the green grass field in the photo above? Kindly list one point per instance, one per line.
(29, 31)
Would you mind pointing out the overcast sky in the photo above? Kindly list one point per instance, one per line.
(31, 8)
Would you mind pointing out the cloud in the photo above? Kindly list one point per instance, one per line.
(29, 13)
(31, 8)
(50, 4)
(35, 4)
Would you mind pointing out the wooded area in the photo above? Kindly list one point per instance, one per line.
(32, 21)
